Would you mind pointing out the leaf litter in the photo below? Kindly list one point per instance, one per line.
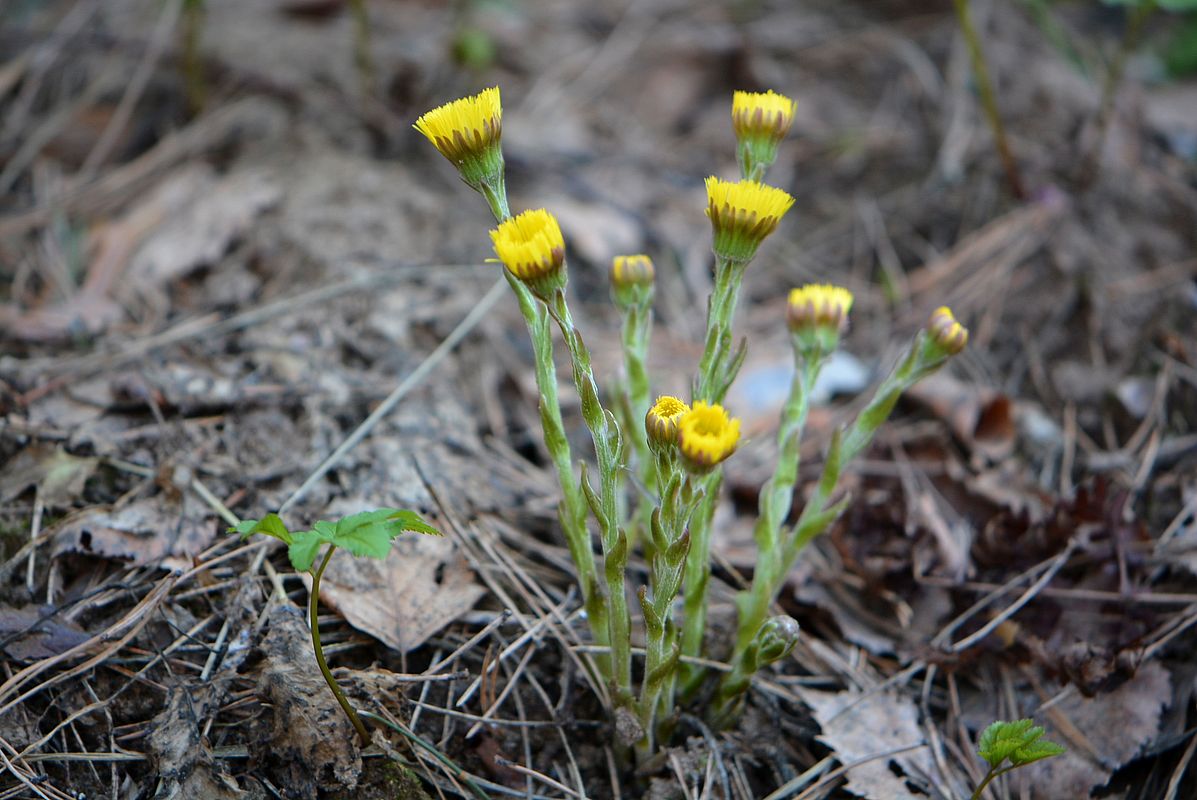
(1063, 443)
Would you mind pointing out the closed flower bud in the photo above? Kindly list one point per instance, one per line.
(761, 120)
(468, 133)
(661, 422)
(776, 639)
(946, 333)
(531, 246)
(742, 214)
(706, 436)
(816, 315)
(632, 280)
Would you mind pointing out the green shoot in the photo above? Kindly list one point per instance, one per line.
(1019, 742)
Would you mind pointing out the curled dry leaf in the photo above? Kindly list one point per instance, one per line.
(858, 725)
(144, 531)
(311, 739)
(419, 588)
(1135, 707)
(182, 759)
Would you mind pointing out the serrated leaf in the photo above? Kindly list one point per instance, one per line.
(271, 525)
(370, 532)
(1036, 751)
(1001, 739)
(304, 548)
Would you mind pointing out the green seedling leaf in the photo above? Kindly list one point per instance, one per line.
(304, 548)
(1036, 751)
(271, 525)
(370, 532)
(1002, 739)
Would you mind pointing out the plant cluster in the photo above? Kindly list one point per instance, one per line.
(675, 447)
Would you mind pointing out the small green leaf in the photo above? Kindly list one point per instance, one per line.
(370, 532)
(271, 525)
(304, 548)
(1001, 739)
(1036, 751)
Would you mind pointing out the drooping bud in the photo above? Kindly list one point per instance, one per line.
(945, 332)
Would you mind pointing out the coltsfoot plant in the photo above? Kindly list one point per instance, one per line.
(1020, 743)
(369, 533)
(675, 447)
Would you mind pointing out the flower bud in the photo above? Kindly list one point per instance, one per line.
(816, 315)
(761, 121)
(946, 333)
(632, 281)
(776, 639)
(661, 422)
(706, 436)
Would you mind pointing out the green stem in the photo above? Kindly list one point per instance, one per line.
(716, 368)
(604, 431)
(697, 578)
(774, 505)
(993, 773)
(662, 650)
(988, 98)
(572, 511)
(313, 618)
(637, 327)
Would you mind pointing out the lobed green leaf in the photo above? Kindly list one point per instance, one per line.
(1001, 739)
(1036, 751)
(270, 525)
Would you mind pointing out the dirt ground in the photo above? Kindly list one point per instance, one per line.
(223, 247)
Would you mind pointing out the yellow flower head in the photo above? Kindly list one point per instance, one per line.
(821, 306)
(742, 215)
(762, 114)
(661, 422)
(532, 247)
(467, 132)
(947, 334)
(706, 436)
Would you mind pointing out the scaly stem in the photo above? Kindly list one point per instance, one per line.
(604, 431)
(572, 511)
(313, 621)
(637, 326)
(697, 577)
(774, 504)
(717, 368)
(661, 647)
(988, 98)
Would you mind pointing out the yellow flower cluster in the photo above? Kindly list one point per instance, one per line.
(532, 247)
(468, 133)
(742, 214)
(706, 435)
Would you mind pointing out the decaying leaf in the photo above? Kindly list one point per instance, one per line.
(1135, 707)
(311, 739)
(144, 531)
(419, 588)
(182, 758)
(26, 634)
(858, 725)
(58, 475)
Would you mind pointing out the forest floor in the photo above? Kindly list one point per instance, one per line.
(219, 260)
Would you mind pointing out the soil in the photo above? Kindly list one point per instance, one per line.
(224, 247)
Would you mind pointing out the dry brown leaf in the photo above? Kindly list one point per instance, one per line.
(182, 758)
(872, 724)
(982, 418)
(1134, 707)
(25, 636)
(144, 531)
(421, 586)
(310, 735)
(57, 474)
